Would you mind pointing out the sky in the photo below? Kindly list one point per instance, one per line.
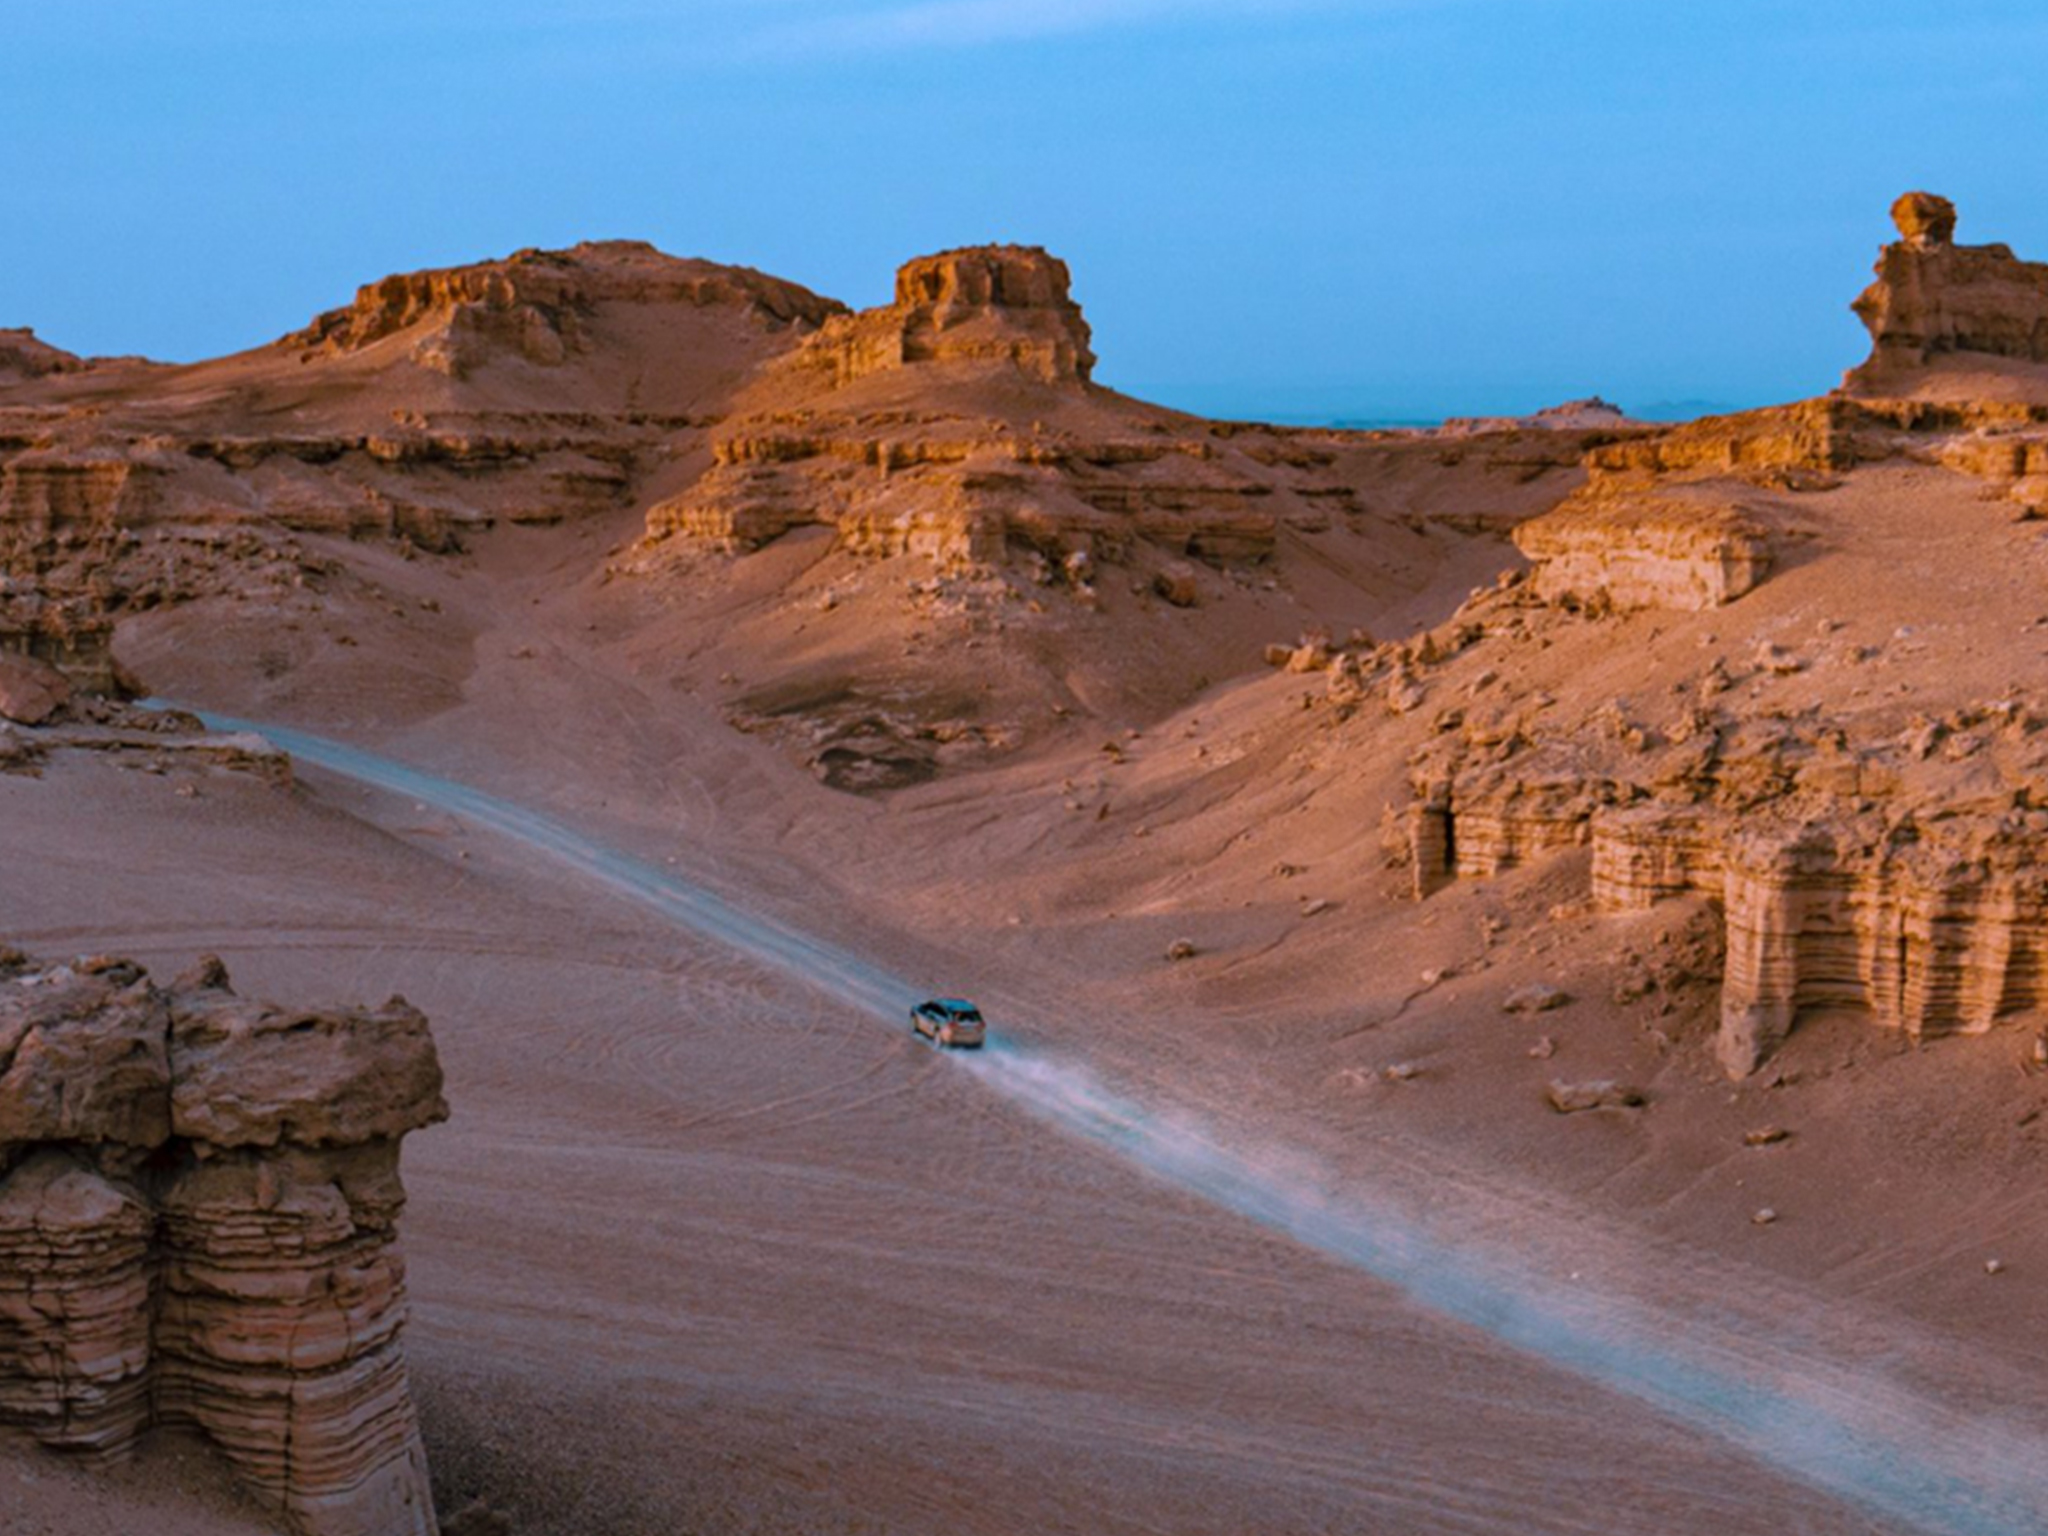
(1296, 209)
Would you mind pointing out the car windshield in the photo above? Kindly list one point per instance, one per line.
(966, 1015)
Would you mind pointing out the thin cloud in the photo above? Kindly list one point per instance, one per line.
(980, 23)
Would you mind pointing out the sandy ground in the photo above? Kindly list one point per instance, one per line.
(711, 1248)
(707, 1250)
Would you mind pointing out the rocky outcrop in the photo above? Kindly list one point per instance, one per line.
(1625, 548)
(1934, 298)
(198, 1206)
(536, 306)
(62, 528)
(24, 355)
(1003, 305)
(1930, 928)
(962, 494)
(1862, 861)
(1591, 414)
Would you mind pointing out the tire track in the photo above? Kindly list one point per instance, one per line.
(1838, 1425)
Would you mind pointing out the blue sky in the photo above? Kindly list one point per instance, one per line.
(1374, 208)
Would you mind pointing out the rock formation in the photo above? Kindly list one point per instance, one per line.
(1004, 304)
(198, 1206)
(537, 306)
(24, 355)
(1892, 873)
(1635, 548)
(1861, 862)
(1934, 299)
(1589, 414)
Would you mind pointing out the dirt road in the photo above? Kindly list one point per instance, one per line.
(856, 1280)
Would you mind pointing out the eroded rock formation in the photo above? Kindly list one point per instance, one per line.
(538, 306)
(1629, 548)
(1003, 304)
(1934, 299)
(198, 1225)
(1895, 873)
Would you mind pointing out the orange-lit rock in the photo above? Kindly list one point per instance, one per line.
(198, 1225)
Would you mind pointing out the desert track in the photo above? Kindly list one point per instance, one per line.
(1760, 1372)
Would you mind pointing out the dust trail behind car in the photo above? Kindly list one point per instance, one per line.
(1836, 1424)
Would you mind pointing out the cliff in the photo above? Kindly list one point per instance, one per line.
(198, 1226)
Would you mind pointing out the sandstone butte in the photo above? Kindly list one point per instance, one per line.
(199, 1198)
(927, 544)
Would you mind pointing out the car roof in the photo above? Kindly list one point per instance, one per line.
(955, 1005)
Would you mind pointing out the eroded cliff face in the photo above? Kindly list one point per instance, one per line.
(199, 1197)
(1895, 873)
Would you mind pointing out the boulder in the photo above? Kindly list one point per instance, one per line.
(31, 691)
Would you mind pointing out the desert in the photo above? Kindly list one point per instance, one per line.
(1515, 951)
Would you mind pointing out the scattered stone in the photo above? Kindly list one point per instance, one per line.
(1182, 949)
(1778, 661)
(1310, 656)
(1994, 1266)
(1315, 906)
(1535, 998)
(1765, 1136)
(1178, 585)
(1604, 1093)
(1544, 1048)
(1402, 1072)
(1764, 1216)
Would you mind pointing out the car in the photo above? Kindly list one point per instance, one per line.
(949, 1021)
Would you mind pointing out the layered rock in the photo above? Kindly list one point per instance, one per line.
(1928, 928)
(537, 305)
(1894, 871)
(1001, 304)
(1610, 547)
(1934, 299)
(198, 1209)
(61, 517)
(960, 494)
